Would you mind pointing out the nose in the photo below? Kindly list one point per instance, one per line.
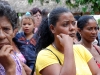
(26, 25)
(72, 27)
(94, 31)
(2, 35)
(38, 16)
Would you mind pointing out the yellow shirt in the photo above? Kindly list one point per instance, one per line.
(81, 54)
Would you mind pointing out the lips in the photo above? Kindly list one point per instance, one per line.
(26, 29)
(72, 34)
(93, 37)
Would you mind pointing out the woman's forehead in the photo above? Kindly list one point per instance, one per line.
(67, 16)
(4, 21)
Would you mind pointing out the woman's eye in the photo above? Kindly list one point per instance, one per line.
(73, 23)
(6, 29)
(65, 25)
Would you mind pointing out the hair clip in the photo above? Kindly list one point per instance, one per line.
(28, 14)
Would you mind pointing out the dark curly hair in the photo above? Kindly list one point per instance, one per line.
(9, 13)
(35, 10)
(44, 33)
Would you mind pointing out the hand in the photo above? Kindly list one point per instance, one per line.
(27, 69)
(5, 57)
(65, 40)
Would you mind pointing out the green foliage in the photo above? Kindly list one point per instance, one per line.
(19, 14)
(57, 1)
(30, 1)
(95, 4)
(99, 22)
(84, 9)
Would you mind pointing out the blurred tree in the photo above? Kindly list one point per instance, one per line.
(75, 3)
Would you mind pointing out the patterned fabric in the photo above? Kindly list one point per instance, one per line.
(18, 67)
(21, 57)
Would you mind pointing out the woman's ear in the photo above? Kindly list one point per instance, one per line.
(79, 30)
(52, 28)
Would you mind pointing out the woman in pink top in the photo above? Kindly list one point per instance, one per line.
(9, 62)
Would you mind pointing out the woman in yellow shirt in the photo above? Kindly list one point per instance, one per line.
(59, 56)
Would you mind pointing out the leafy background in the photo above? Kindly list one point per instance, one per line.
(75, 3)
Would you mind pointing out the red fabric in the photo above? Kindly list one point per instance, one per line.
(98, 65)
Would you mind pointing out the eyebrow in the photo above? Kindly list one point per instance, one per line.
(7, 25)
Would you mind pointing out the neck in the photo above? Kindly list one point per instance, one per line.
(86, 44)
(58, 46)
(29, 36)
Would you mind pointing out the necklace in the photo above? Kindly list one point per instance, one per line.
(54, 45)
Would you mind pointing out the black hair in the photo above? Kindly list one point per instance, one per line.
(35, 10)
(8, 12)
(45, 35)
(77, 17)
(77, 34)
(45, 12)
(83, 20)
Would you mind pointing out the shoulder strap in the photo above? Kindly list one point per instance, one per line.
(55, 55)
(96, 49)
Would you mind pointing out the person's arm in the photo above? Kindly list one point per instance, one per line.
(11, 71)
(68, 67)
(93, 67)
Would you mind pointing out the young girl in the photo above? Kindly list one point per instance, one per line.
(9, 62)
(25, 41)
(59, 56)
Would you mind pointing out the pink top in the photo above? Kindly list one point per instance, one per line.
(21, 57)
(18, 67)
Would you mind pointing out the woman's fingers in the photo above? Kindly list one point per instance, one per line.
(6, 50)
